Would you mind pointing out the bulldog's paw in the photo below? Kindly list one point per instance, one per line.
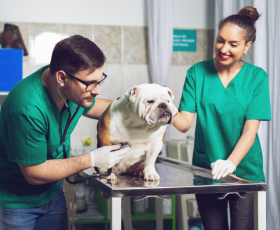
(112, 177)
(150, 174)
(151, 183)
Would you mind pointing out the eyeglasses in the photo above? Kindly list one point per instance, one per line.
(90, 86)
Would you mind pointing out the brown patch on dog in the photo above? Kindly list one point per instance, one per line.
(163, 136)
(103, 129)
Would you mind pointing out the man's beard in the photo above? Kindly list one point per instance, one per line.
(70, 94)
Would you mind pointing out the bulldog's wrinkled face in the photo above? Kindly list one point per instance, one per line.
(152, 103)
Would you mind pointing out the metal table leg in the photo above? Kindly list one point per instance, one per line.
(159, 214)
(115, 213)
(260, 210)
(127, 222)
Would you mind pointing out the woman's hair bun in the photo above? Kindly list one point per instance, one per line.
(251, 12)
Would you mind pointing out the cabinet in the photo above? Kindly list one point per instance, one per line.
(139, 221)
(11, 61)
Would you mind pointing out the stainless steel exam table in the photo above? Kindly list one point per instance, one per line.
(177, 177)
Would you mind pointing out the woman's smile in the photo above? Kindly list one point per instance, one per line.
(224, 57)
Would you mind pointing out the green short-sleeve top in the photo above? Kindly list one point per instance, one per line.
(221, 113)
(31, 128)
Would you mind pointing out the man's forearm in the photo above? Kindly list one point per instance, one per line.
(99, 107)
(55, 170)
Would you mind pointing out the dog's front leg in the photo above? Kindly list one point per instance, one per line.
(150, 172)
(112, 177)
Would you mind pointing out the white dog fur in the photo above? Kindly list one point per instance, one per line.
(140, 117)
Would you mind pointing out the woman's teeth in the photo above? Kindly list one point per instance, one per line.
(224, 57)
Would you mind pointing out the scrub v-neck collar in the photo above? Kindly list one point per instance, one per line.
(230, 83)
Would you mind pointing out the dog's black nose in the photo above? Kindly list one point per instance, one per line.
(162, 106)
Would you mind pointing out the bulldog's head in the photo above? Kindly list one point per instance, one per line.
(152, 103)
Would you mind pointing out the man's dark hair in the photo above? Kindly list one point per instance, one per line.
(76, 53)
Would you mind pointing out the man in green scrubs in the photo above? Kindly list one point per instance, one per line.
(32, 121)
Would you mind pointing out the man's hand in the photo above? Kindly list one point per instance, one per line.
(98, 109)
(104, 158)
(221, 168)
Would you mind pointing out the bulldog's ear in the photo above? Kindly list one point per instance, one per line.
(132, 93)
(170, 93)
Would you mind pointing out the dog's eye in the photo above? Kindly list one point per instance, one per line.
(150, 102)
(167, 101)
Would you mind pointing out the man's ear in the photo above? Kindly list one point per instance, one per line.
(132, 93)
(170, 93)
(60, 77)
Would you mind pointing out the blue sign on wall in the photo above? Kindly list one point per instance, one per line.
(184, 40)
(10, 68)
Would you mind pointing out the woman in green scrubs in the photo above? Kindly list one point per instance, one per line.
(230, 97)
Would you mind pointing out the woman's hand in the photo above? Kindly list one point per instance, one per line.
(174, 109)
(221, 168)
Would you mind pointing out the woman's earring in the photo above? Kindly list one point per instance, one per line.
(244, 53)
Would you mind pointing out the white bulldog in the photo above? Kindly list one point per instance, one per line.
(140, 117)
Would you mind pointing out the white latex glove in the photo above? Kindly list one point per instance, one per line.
(221, 168)
(104, 158)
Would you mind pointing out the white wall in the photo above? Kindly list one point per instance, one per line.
(187, 13)
(196, 14)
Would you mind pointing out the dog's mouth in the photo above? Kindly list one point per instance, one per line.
(161, 115)
(165, 117)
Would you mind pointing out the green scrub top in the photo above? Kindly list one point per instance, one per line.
(222, 112)
(31, 129)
